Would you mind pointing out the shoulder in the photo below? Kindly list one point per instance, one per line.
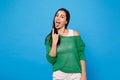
(75, 33)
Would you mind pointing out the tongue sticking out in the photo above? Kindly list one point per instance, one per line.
(57, 24)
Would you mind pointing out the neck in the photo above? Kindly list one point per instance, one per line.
(61, 31)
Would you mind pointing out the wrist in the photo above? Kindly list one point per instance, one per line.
(54, 44)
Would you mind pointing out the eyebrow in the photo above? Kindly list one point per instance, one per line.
(60, 14)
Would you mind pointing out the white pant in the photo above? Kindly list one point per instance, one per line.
(59, 75)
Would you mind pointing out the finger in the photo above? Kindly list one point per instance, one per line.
(53, 31)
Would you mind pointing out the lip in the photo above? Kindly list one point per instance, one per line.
(57, 23)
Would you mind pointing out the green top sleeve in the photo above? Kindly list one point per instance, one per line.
(50, 59)
(80, 47)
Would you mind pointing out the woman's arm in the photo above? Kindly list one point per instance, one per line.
(54, 44)
(82, 58)
(51, 50)
(83, 66)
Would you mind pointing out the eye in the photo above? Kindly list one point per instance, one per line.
(62, 16)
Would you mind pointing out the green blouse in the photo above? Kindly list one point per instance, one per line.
(68, 54)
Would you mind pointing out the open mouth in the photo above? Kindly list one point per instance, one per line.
(57, 23)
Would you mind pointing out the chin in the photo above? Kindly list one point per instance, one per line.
(57, 27)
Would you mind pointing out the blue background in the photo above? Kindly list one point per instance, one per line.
(24, 25)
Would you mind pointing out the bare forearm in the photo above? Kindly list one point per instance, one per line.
(53, 50)
(83, 66)
(83, 74)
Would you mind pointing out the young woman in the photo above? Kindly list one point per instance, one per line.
(65, 49)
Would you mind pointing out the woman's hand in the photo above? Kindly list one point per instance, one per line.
(54, 37)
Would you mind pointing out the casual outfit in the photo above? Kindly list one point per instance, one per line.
(66, 63)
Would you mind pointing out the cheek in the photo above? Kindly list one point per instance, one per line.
(54, 19)
(64, 21)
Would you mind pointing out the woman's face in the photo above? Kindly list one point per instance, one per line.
(60, 19)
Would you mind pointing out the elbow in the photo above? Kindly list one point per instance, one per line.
(50, 59)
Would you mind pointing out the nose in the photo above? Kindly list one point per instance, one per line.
(58, 17)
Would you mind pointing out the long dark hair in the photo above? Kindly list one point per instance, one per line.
(55, 30)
